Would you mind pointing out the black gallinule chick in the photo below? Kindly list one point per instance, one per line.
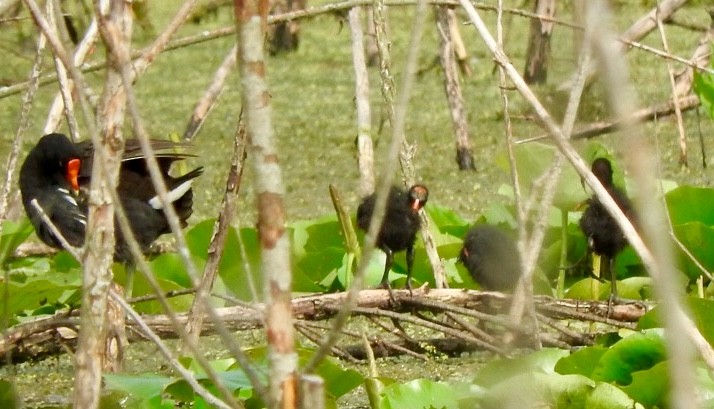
(399, 227)
(491, 257)
(605, 238)
(57, 172)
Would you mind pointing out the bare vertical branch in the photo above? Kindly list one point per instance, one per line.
(220, 233)
(365, 149)
(452, 87)
(538, 54)
(251, 19)
(115, 27)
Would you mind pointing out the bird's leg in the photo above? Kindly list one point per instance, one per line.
(387, 266)
(613, 277)
(608, 266)
(410, 263)
(129, 272)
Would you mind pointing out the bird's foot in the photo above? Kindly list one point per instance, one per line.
(614, 299)
(385, 285)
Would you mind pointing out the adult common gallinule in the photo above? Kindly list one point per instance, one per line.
(399, 227)
(491, 257)
(605, 238)
(57, 172)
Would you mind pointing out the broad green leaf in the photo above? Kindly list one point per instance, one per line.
(607, 396)
(170, 267)
(318, 248)
(35, 294)
(547, 390)
(581, 362)
(704, 88)
(636, 352)
(701, 310)
(8, 396)
(583, 289)
(446, 220)
(140, 387)
(696, 237)
(338, 381)
(64, 262)
(649, 387)
(691, 204)
(533, 160)
(650, 320)
(635, 288)
(13, 234)
(498, 214)
(423, 394)
(232, 268)
(497, 371)
(142, 287)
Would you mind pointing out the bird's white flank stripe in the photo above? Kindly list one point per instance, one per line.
(173, 195)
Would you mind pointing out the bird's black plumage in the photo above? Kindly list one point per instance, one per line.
(57, 174)
(601, 230)
(491, 257)
(399, 227)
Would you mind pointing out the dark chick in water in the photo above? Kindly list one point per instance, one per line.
(604, 235)
(399, 227)
(57, 174)
(491, 257)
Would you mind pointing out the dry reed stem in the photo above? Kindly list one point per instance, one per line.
(677, 110)
(250, 21)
